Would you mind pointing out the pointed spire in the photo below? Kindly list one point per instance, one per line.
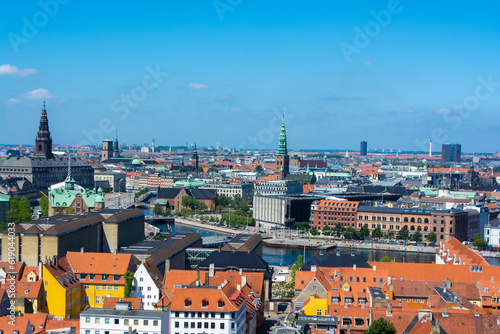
(69, 165)
(116, 135)
(282, 149)
(69, 183)
(43, 108)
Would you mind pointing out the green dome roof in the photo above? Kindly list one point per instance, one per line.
(136, 162)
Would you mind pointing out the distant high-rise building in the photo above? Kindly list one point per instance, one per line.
(153, 145)
(363, 148)
(451, 152)
(282, 158)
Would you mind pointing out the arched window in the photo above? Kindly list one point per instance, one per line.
(419, 228)
(419, 220)
(412, 219)
(406, 219)
(412, 228)
(426, 228)
(426, 220)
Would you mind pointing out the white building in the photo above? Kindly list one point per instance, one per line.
(147, 284)
(277, 188)
(122, 318)
(206, 309)
(492, 233)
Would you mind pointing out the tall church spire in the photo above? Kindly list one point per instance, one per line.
(282, 150)
(282, 158)
(43, 141)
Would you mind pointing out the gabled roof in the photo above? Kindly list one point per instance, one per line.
(236, 260)
(332, 260)
(168, 193)
(100, 263)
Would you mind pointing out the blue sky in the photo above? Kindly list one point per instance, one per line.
(393, 73)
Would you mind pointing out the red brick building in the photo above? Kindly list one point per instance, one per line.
(330, 212)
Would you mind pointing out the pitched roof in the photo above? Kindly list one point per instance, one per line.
(333, 260)
(100, 263)
(110, 302)
(236, 260)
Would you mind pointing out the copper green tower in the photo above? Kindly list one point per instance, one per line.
(282, 158)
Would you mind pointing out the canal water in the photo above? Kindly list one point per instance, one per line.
(277, 256)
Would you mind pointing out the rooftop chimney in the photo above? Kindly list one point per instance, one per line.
(313, 268)
(82, 250)
(445, 313)
(243, 280)
(374, 268)
(354, 266)
(211, 270)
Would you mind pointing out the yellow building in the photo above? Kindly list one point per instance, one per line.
(315, 306)
(63, 290)
(101, 274)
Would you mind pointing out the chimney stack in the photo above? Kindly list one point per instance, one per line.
(211, 270)
(82, 250)
(243, 280)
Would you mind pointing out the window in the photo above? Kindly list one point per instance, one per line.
(97, 299)
(87, 320)
(346, 322)
(357, 279)
(155, 322)
(204, 303)
(104, 277)
(221, 325)
(91, 277)
(358, 322)
(116, 277)
(86, 299)
(136, 322)
(115, 287)
(98, 287)
(106, 320)
(86, 286)
(220, 303)
(97, 320)
(318, 312)
(125, 322)
(187, 302)
(176, 325)
(83, 276)
(364, 279)
(145, 323)
(212, 325)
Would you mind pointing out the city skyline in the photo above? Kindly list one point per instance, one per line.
(391, 73)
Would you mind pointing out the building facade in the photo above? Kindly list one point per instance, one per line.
(328, 213)
(451, 152)
(278, 188)
(363, 148)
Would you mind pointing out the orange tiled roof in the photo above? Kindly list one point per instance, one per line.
(110, 302)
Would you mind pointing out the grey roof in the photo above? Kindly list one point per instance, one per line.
(168, 192)
(197, 193)
(332, 260)
(237, 260)
(122, 313)
(383, 209)
(377, 293)
(446, 295)
(27, 162)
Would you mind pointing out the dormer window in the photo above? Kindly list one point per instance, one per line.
(116, 277)
(187, 302)
(204, 303)
(220, 303)
(91, 277)
(104, 277)
(83, 276)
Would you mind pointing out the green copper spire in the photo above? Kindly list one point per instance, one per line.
(195, 151)
(282, 145)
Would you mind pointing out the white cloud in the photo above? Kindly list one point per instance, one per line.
(236, 110)
(13, 101)
(443, 111)
(368, 63)
(224, 97)
(196, 86)
(39, 94)
(411, 111)
(7, 69)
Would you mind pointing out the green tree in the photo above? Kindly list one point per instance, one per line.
(24, 210)
(432, 237)
(339, 230)
(327, 231)
(182, 169)
(381, 326)
(314, 231)
(303, 225)
(296, 266)
(213, 170)
(385, 259)
(417, 237)
(14, 213)
(258, 168)
(364, 232)
(158, 209)
(189, 202)
(377, 233)
(44, 206)
(351, 233)
(477, 241)
(403, 233)
(129, 278)
(390, 234)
